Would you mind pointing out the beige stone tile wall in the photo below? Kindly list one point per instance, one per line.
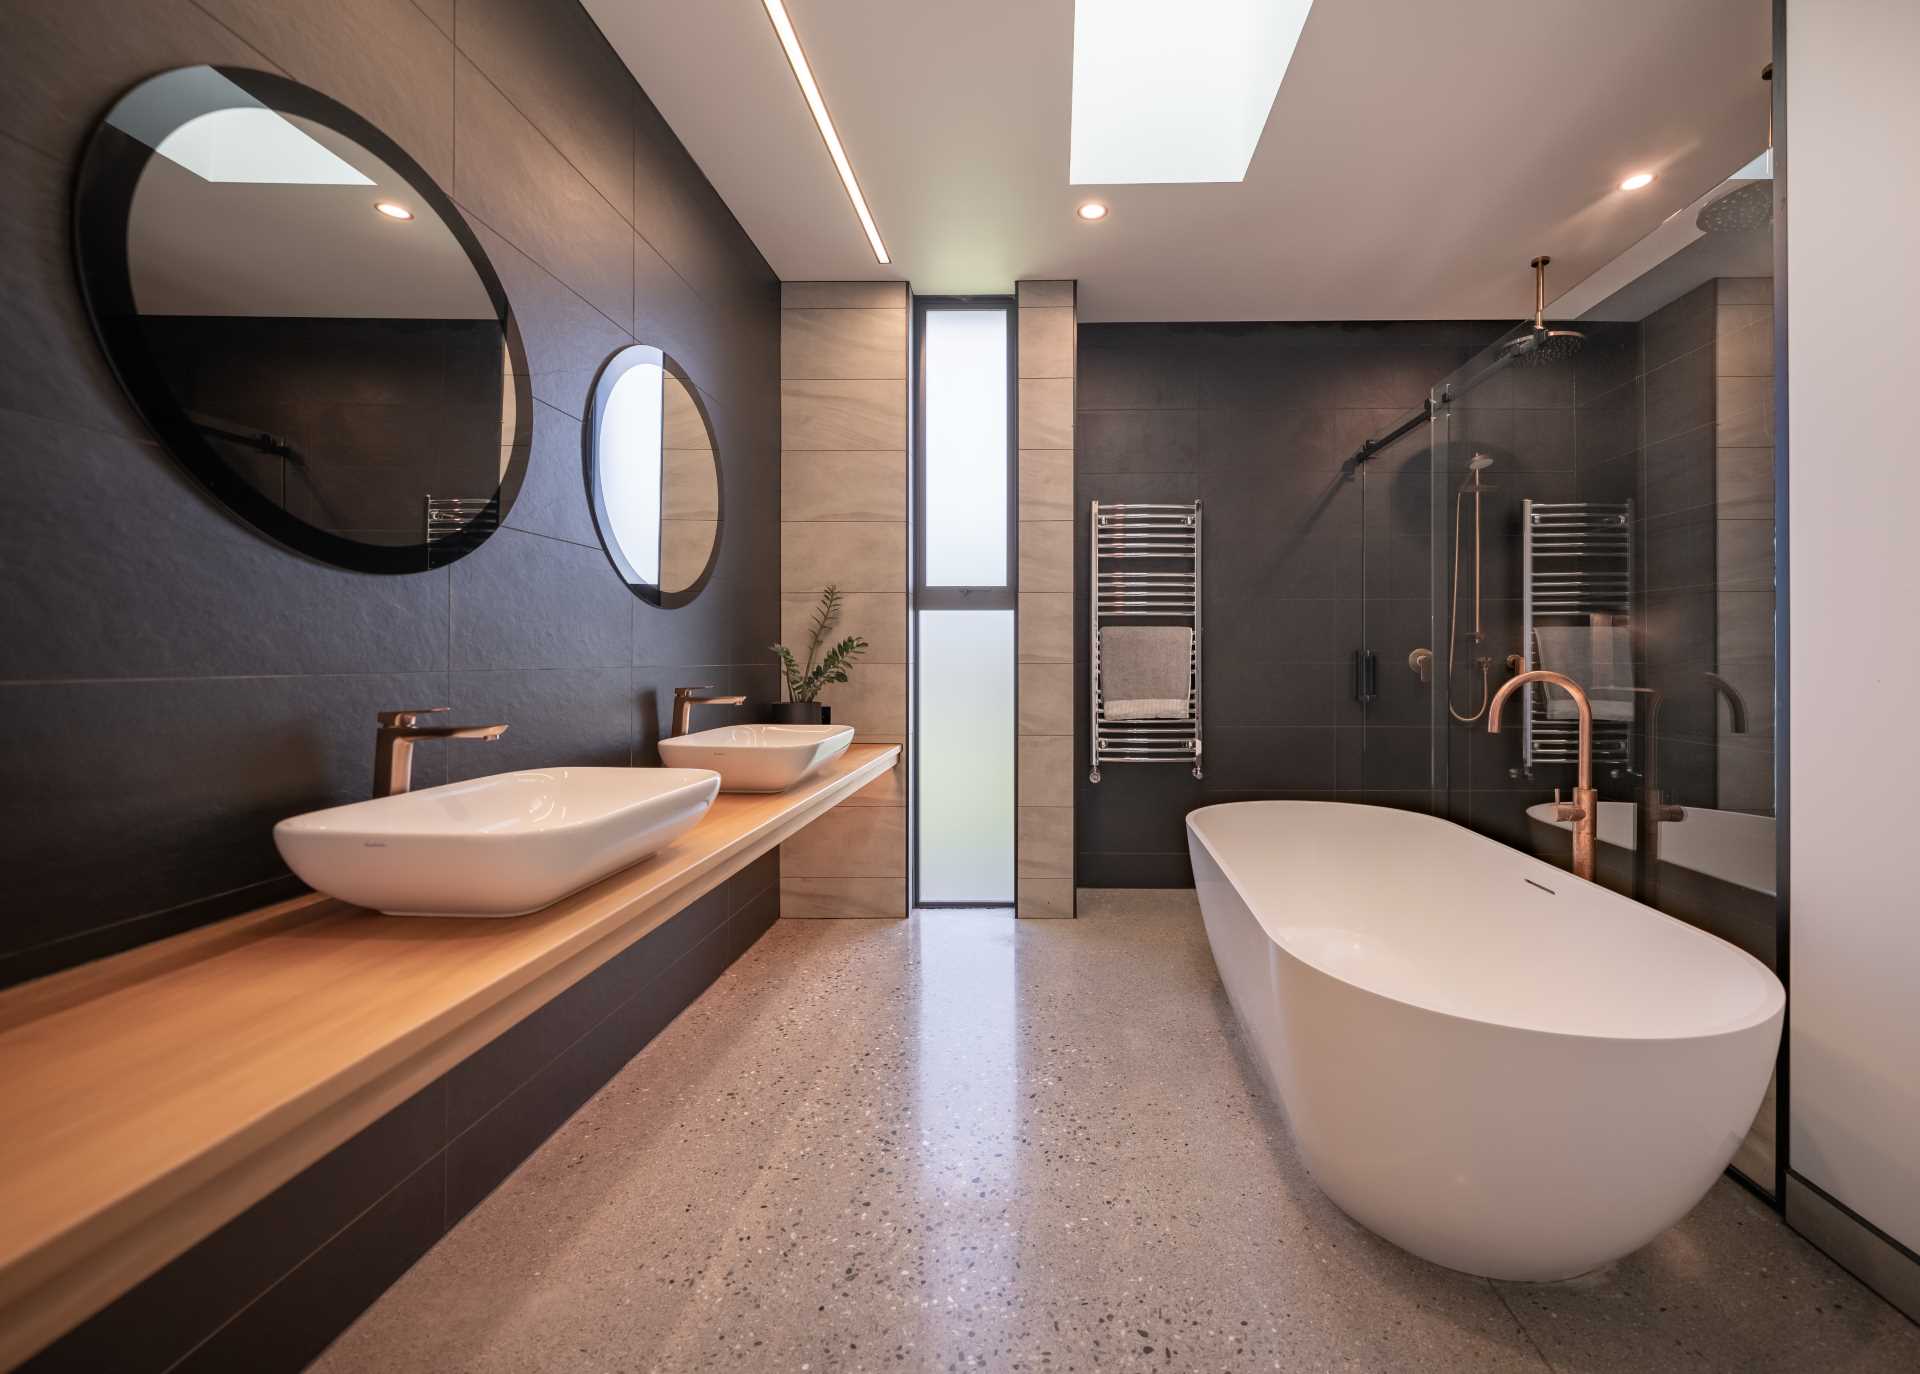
(843, 519)
(1043, 857)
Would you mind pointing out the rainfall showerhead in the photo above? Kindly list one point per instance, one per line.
(1744, 207)
(1543, 343)
(1479, 461)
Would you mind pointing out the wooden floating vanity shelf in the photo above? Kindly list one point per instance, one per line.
(151, 1097)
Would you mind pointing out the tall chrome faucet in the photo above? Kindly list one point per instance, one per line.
(686, 698)
(1584, 811)
(393, 745)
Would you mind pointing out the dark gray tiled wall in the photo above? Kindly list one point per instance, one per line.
(1647, 424)
(1258, 421)
(173, 682)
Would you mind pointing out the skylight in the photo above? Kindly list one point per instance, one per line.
(251, 144)
(1175, 92)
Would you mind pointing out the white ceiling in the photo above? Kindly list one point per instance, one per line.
(1418, 155)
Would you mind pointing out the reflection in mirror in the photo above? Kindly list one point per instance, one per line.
(653, 476)
(303, 317)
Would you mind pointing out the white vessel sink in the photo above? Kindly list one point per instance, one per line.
(498, 846)
(758, 758)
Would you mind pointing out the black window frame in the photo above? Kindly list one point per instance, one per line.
(921, 596)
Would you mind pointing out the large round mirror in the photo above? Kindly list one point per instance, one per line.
(303, 317)
(653, 476)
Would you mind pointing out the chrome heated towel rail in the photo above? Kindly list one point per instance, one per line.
(1578, 557)
(1145, 570)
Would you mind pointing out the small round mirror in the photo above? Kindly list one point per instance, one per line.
(653, 476)
(303, 317)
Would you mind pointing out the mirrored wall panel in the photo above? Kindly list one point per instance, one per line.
(654, 476)
(1602, 507)
(303, 318)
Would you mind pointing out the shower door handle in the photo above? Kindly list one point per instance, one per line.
(1366, 676)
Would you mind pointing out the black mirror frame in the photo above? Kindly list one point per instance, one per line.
(104, 186)
(617, 365)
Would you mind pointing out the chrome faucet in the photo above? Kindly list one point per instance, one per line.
(686, 698)
(393, 745)
(1584, 811)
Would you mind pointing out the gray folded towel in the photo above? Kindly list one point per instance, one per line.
(1148, 708)
(1146, 672)
(1599, 658)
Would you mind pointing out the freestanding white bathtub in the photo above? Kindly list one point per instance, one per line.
(1493, 1064)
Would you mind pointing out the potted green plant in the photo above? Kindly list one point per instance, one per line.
(802, 706)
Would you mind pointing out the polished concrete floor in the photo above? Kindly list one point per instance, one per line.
(960, 1143)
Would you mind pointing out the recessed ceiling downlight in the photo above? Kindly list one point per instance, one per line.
(1092, 210)
(1637, 181)
(392, 211)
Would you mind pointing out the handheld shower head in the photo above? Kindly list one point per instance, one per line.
(1477, 474)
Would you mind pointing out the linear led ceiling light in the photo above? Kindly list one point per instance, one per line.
(790, 41)
(1169, 93)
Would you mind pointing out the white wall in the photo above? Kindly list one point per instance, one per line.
(1853, 144)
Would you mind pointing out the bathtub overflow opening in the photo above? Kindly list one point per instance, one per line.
(1542, 886)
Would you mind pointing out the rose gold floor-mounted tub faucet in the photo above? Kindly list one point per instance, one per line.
(1584, 811)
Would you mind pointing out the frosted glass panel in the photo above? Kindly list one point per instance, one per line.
(966, 756)
(966, 388)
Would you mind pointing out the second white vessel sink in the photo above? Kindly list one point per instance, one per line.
(759, 758)
(499, 846)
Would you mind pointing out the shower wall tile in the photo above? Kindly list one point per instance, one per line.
(1745, 564)
(1137, 441)
(1680, 473)
(1679, 395)
(1743, 411)
(1306, 560)
(1743, 483)
(1680, 327)
(1743, 341)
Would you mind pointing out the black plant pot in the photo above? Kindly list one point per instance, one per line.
(801, 713)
